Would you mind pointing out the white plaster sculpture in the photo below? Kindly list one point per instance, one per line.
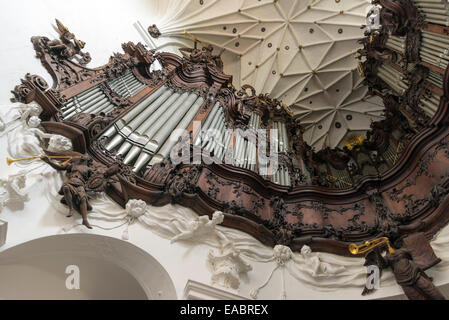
(134, 209)
(28, 140)
(59, 143)
(318, 267)
(29, 110)
(281, 255)
(227, 266)
(2, 125)
(203, 226)
(170, 221)
(373, 17)
(12, 193)
(307, 263)
(3, 232)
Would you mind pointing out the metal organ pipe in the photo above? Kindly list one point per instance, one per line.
(142, 135)
(92, 101)
(126, 130)
(170, 124)
(164, 151)
(435, 49)
(127, 85)
(136, 110)
(193, 102)
(206, 125)
(434, 11)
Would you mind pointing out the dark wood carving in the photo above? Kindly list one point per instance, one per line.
(83, 175)
(408, 264)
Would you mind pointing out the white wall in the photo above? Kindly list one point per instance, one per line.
(103, 24)
(45, 278)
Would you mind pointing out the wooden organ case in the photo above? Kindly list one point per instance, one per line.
(124, 113)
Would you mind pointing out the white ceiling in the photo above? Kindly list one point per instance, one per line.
(298, 51)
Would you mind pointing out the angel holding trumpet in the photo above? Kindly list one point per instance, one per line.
(83, 175)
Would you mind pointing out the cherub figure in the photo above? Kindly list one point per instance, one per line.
(67, 46)
(29, 110)
(82, 176)
(203, 226)
(59, 144)
(408, 264)
(373, 18)
(316, 265)
(13, 194)
(29, 141)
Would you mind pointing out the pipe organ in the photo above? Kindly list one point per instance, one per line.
(126, 85)
(429, 103)
(132, 135)
(144, 132)
(435, 49)
(435, 78)
(396, 43)
(92, 101)
(95, 101)
(341, 178)
(214, 136)
(281, 175)
(395, 79)
(240, 146)
(434, 11)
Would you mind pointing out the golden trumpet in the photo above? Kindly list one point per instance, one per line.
(9, 160)
(369, 245)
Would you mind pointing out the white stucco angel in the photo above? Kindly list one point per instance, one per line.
(373, 17)
(30, 140)
(202, 226)
(29, 110)
(316, 266)
(12, 191)
(33, 136)
(227, 266)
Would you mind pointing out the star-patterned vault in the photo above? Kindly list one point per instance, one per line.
(298, 51)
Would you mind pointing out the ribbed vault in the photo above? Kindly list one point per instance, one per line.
(297, 51)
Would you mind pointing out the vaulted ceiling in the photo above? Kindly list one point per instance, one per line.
(299, 51)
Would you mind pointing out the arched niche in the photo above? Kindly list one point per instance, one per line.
(109, 268)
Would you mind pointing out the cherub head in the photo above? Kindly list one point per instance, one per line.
(136, 208)
(34, 122)
(35, 109)
(20, 180)
(305, 250)
(217, 217)
(59, 143)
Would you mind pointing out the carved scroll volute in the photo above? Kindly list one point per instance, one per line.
(140, 52)
(25, 92)
(91, 125)
(35, 88)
